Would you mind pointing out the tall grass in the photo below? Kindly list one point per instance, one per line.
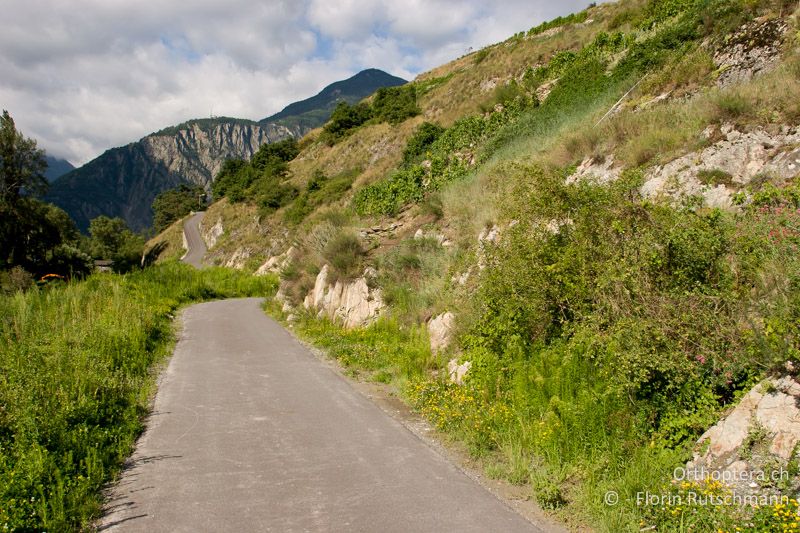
(77, 366)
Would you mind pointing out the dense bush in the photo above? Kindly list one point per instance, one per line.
(390, 104)
(111, 239)
(344, 119)
(261, 180)
(419, 143)
(345, 254)
(320, 190)
(395, 104)
(174, 204)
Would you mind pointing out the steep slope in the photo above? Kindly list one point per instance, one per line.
(124, 181)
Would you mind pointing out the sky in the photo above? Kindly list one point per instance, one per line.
(83, 76)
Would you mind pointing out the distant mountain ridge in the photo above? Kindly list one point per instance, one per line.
(124, 181)
(315, 111)
(56, 168)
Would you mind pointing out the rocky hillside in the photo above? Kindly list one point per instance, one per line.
(124, 181)
(574, 252)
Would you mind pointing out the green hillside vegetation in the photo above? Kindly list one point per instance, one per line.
(174, 204)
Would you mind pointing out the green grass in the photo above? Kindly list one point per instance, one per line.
(77, 370)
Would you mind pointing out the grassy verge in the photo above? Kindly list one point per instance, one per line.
(76, 373)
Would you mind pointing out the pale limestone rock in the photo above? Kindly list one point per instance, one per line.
(751, 50)
(238, 259)
(742, 155)
(351, 303)
(213, 233)
(599, 171)
(196, 153)
(276, 263)
(726, 449)
(458, 372)
(440, 331)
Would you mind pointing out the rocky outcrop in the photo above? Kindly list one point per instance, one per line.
(212, 234)
(718, 171)
(751, 50)
(458, 372)
(758, 438)
(123, 182)
(276, 263)
(440, 331)
(351, 303)
(238, 259)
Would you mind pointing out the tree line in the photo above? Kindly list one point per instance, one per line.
(39, 241)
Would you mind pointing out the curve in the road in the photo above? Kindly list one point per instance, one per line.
(196, 246)
(251, 432)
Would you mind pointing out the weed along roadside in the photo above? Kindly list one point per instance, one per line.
(79, 364)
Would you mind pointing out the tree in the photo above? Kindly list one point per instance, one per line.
(22, 164)
(111, 239)
(22, 167)
(174, 204)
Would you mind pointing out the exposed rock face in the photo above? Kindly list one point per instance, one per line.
(458, 372)
(124, 181)
(741, 156)
(238, 259)
(276, 263)
(211, 234)
(600, 171)
(197, 153)
(714, 173)
(440, 331)
(758, 436)
(753, 49)
(352, 303)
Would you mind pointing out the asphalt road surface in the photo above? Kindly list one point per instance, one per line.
(196, 244)
(251, 432)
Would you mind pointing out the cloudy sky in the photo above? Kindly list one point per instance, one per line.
(82, 76)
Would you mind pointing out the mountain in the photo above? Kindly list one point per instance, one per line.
(314, 112)
(124, 181)
(56, 168)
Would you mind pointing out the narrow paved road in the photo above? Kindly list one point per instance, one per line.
(195, 243)
(251, 432)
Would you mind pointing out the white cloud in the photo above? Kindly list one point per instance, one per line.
(86, 75)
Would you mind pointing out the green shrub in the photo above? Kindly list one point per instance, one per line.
(395, 104)
(344, 119)
(420, 142)
(174, 204)
(481, 55)
(714, 176)
(345, 254)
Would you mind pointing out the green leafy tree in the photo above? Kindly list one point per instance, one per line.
(112, 239)
(22, 164)
(395, 104)
(175, 204)
(344, 119)
(22, 167)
